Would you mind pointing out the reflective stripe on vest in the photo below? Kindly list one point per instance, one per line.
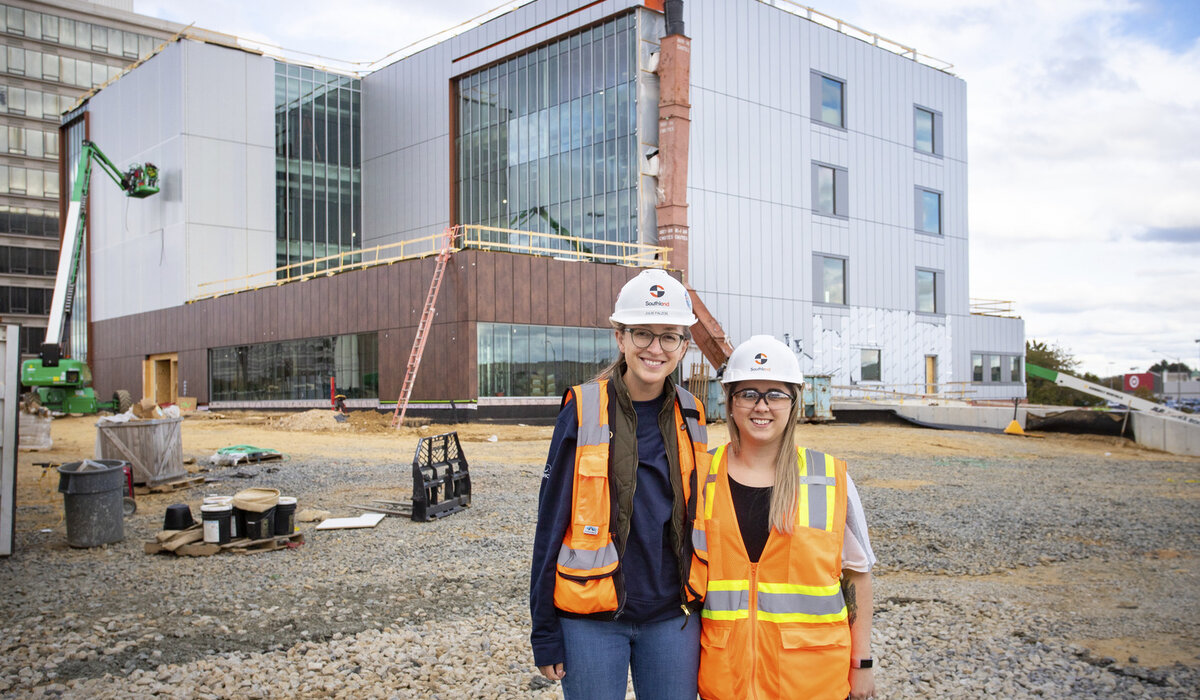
(708, 493)
(791, 602)
(818, 487)
(691, 417)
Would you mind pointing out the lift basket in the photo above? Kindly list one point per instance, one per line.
(441, 481)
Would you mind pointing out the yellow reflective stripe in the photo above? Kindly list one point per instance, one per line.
(729, 585)
(801, 617)
(830, 492)
(725, 614)
(802, 501)
(710, 484)
(798, 588)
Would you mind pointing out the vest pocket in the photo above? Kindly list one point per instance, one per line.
(591, 493)
(585, 594)
(818, 637)
(714, 635)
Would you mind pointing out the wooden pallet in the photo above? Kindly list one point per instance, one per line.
(186, 482)
(399, 509)
(185, 543)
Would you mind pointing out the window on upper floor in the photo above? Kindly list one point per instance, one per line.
(829, 279)
(830, 190)
(929, 211)
(870, 365)
(996, 368)
(829, 100)
(927, 131)
(930, 295)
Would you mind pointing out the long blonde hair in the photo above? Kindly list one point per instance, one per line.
(787, 476)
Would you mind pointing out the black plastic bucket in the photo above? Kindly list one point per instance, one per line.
(285, 516)
(217, 517)
(260, 526)
(93, 501)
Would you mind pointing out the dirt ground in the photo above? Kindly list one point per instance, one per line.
(367, 436)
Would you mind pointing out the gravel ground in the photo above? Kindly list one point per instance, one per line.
(997, 577)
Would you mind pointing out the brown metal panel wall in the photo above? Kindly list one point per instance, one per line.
(193, 374)
(519, 289)
(485, 287)
(503, 288)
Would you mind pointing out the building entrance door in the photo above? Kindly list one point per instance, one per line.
(931, 374)
(160, 378)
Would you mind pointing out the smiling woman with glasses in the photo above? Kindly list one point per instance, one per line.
(612, 592)
(782, 540)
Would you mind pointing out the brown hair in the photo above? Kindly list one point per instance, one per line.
(787, 476)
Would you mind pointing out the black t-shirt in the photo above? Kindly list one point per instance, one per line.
(752, 504)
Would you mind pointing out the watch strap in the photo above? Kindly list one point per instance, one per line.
(862, 663)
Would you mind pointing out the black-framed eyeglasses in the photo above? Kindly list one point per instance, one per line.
(669, 341)
(775, 399)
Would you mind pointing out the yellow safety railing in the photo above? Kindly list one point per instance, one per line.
(993, 307)
(465, 237)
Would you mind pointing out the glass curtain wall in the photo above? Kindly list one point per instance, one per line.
(546, 140)
(520, 360)
(318, 182)
(296, 369)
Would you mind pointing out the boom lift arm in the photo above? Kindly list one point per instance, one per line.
(1137, 404)
(61, 383)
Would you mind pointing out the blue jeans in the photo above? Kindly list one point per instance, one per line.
(664, 658)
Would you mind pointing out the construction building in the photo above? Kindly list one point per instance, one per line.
(806, 178)
(53, 52)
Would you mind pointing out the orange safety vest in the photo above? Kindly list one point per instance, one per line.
(777, 628)
(588, 560)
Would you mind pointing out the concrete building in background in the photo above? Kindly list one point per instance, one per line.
(51, 53)
(826, 199)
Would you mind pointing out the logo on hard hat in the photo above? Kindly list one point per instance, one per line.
(760, 359)
(657, 290)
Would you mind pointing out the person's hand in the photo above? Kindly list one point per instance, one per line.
(554, 673)
(862, 683)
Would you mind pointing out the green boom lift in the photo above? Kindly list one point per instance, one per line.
(62, 383)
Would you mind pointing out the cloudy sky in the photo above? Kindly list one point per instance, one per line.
(1084, 137)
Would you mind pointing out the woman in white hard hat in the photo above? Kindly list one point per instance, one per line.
(611, 589)
(780, 529)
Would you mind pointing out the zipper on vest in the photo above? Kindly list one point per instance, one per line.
(753, 629)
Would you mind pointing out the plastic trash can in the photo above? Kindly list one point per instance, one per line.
(93, 498)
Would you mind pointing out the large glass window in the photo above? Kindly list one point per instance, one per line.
(829, 279)
(546, 141)
(929, 211)
(870, 365)
(318, 182)
(296, 369)
(521, 360)
(927, 291)
(829, 99)
(996, 368)
(927, 131)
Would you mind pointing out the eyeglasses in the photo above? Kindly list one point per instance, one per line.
(669, 341)
(776, 400)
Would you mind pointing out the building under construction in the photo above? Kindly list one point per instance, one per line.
(806, 178)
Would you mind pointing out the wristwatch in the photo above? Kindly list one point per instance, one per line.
(861, 663)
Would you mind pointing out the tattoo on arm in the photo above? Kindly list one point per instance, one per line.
(851, 597)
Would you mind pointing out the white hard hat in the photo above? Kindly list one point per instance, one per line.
(654, 297)
(762, 357)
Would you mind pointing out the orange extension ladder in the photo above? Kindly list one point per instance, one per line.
(414, 357)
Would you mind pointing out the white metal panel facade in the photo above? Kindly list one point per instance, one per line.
(754, 228)
(204, 115)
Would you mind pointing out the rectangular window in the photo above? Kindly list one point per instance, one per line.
(996, 368)
(927, 131)
(829, 100)
(929, 211)
(522, 360)
(830, 190)
(829, 279)
(296, 369)
(930, 293)
(870, 366)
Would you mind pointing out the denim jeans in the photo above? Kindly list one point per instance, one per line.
(664, 658)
